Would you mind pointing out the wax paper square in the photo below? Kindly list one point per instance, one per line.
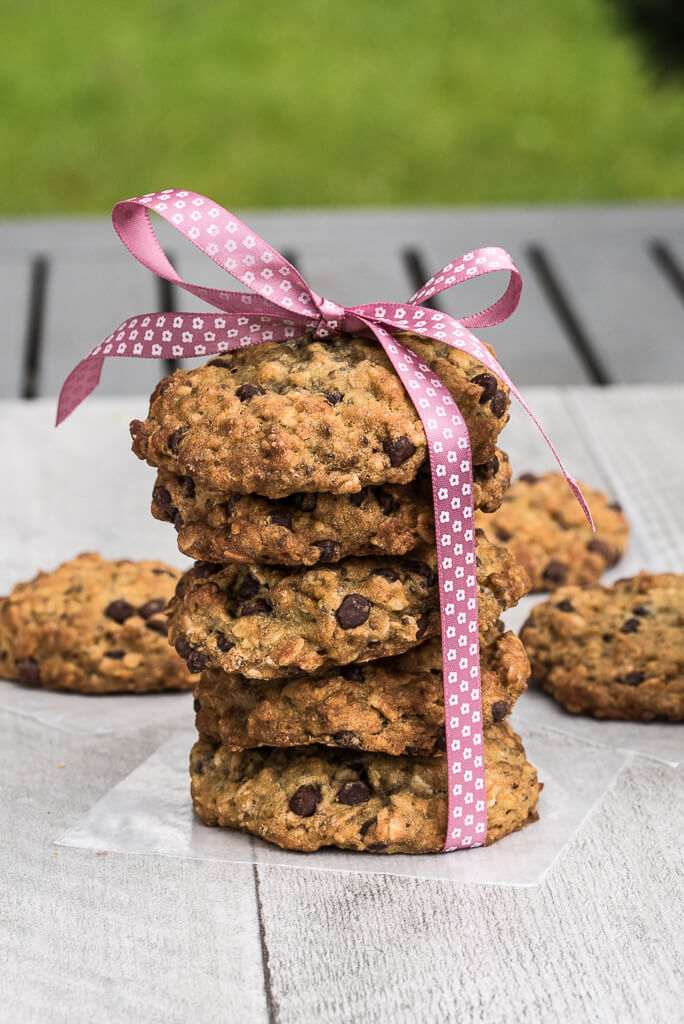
(150, 812)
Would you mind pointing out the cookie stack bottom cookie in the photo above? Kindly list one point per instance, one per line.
(303, 798)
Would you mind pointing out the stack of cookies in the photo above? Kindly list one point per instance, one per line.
(297, 475)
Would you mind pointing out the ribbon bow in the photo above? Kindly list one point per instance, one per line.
(281, 305)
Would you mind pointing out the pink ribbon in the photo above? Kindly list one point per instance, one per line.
(281, 305)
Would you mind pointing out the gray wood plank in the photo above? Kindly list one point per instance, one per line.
(87, 937)
(629, 308)
(88, 295)
(110, 937)
(15, 281)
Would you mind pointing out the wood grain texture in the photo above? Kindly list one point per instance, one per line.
(118, 937)
(112, 938)
(597, 942)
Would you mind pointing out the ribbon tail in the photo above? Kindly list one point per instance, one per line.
(452, 485)
(82, 380)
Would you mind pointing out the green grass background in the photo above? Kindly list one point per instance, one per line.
(314, 102)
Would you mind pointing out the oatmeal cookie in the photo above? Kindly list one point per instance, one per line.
(266, 622)
(303, 798)
(612, 652)
(393, 706)
(311, 528)
(542, 523)
(92, 626)
(304, 415)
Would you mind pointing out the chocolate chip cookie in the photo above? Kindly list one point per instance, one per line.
(92, 626)
(304, 415)
(542, 523)
(612, 652)
(393, 706)
(307, 797)
(310, 528)
(266, 622)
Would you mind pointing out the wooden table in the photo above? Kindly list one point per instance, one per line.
(150, 939)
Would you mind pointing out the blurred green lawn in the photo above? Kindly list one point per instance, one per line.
(312, 102)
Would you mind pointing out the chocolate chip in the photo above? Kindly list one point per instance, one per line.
(440, 738)
(188, 487)
(501, 534)
(164, 572)
(258, 607)
(158, 626)
(385, 501)
(153, 607)
(367, 825)
(499, 710)
(197, 661)
(499, 404)
(352, 759)
(329, 550)
(334, 397)
(354, 673)
(616, 506)
(353, 611)
(528, 478)
(281, 517)
(398, 451)
(500, 626)
(487, 469)
(202, 570)
(223, 643)
(631, 678)
(116, 654)
(303, 502)
(353, 793)
(119, 610)
(630, 626)
(247, 391)
(376, 847)
(178, 522)
(199, 768)
(422, 569)
(345, 738)
(555, 572)
(196, 704)
(249, 587)
(28, 671)
(421, 625)
(600, 547)
(162, 498)
(305, 800)
(387, 574)
(221, 364)
(565, 606)
(358, 499)
(641, 611)
(479, 532)
(176, 438)
(183, 648)
(488, 383)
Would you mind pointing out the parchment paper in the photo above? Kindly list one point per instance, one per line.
(150, 812)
